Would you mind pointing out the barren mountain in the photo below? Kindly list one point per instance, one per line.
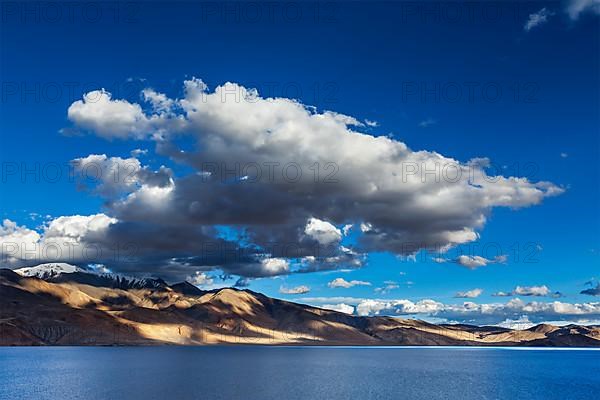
(79, 308)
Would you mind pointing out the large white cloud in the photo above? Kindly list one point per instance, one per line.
(68, 238)
(109, 118)
(300, 175)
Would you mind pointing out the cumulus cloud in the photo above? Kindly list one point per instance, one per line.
(469, 312)
(539, 291)
(300, 177)
(494, 313)
(398, 307)
(322, 231)
(531, 290)
(343, 308)
(109, 118)
(342, 283)
(537, 18)
(114, 176)
(473, 262)
(295, 290)
(200, 279)
(469, 294)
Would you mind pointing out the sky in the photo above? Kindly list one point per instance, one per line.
(432, 160)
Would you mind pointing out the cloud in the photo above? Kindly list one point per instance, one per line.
(531, 290)
(343, 308)
(242, 283)
(342, 283)
(577, 7)
(114, 176)
(322, 231)
(398, 307)
(138, 152)
(538, 18)
(473, 262)
(427, 123)
(539, 291)
(593, 291)
(295, 290)
(469, 294)
(482, 314)
(108, 118)
(372, 124)
(200, 279)
(299, 175)
(388, 287)
(564, 155)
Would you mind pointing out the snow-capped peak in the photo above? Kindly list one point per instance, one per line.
(49, 270)
(55, 272)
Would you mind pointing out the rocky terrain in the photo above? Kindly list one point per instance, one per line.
(75, 307)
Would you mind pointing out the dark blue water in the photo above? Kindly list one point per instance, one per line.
(291, 373)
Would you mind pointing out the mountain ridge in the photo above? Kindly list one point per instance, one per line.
(76, 311)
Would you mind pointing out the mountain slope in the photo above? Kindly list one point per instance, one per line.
(78, 311)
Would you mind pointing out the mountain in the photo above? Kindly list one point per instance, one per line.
(49, 270)
(66, 309)
(63, 272)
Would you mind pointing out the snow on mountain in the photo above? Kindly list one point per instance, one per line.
(49, 270)
(63, 272)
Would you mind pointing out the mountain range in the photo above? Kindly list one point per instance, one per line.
(60, 304)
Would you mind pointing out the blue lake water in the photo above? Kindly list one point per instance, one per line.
(292, 373)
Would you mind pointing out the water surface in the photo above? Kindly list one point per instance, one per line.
(293, 373)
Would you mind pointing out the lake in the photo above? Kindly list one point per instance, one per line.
(291, 373)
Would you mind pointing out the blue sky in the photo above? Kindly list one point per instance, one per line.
(514, 83)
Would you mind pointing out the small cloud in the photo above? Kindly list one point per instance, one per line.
(389, 286)
(469, 294)
(346, 229)
(539, 291)
(343, 308)
(427, 123)
(366, 227)
(564, 155)
(593, 291)
(342, 283)
(200, 279)
(372, 124)
(536, 291)
(138, 152)
(537, 18)
(473, 262)
(295, 290)
(99, 268)
(33, 216)
(439, 260)
(242, 282)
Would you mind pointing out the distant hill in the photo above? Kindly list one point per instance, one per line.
(81, 308)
